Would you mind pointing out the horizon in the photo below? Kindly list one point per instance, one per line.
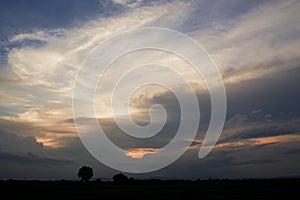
(110, 180)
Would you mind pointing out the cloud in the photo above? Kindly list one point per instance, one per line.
(266, 130)
(137, 153)
(22, 154)
(275, 93)
(237, 162)
(14, 143)
(254, 112)
(246, 123)
(237, 120)
(32, 159)
(39, 35)
(255, 43)
(65, 49)
(32, 166)
(32, 136)
(129, 3)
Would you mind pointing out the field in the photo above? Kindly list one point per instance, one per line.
(152, 189)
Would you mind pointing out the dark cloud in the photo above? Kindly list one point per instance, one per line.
(32, 159)
(236, 162)
(293, 151)
(172, 107)
(261, 107)
(261, 132)
(14, 143)
(277, 94)
(249, 104)
(21, 156)
(15, 127)
(255, 162)
(274, 128)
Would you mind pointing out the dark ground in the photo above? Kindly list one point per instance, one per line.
(152, 189)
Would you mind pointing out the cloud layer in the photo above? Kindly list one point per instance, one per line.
(255, 45)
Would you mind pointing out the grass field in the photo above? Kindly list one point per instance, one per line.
(153, 189)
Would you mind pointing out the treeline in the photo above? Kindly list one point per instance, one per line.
(121, 178)
(120, 187)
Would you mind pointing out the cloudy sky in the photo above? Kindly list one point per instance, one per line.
(255, 45)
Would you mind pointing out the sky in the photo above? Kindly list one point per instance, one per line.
(254, 44)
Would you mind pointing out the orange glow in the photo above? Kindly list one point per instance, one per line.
(194, 147)
(48, 143)
(254, 141)
(54, 140)
(232, 144)
(137, 153)
(274, 139)
(260, 141)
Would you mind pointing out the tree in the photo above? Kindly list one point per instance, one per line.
(120, 178)
(85, 173)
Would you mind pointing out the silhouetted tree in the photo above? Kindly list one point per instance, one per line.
(85, 173)
(120, 178)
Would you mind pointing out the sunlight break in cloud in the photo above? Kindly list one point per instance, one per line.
(51, 67)
(137, 153)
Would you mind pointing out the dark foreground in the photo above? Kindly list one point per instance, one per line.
(152, 189)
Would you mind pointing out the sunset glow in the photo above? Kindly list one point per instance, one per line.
(137, 153)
